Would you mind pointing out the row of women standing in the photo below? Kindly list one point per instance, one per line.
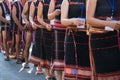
(57, 46)
(61, 42)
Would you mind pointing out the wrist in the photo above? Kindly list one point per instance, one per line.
(106, 23)
(73, 21)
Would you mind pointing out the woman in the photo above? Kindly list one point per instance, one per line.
(37, 46)
(103, 16)
(46, 37)
(58, 37)
(5, 22)
(18, 26)
(77, 64)
(25, 16)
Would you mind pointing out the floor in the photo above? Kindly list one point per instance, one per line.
(9, 70)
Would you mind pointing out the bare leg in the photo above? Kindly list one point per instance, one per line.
(27, 45)
(59, 75)
(4, 33)
(17, 46)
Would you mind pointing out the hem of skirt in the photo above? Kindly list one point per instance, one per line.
(108, 74)
(81, 72)
(70, 77)
(58, 65)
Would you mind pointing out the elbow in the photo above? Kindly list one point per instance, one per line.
(88, 20)
(50, 17)
(63, 22)
(39, 19)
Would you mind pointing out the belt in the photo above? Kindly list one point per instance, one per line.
(76, 29)
(57, 25)
(74, 3)
(97, 30)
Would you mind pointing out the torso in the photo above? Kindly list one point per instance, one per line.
(103, 8)
(19, 9)
(36, 9)
(58, 6)
(45, 8)
(5, 10)
(77, 10)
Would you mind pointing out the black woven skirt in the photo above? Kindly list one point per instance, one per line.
(77, 56)
(37, 48)
(47, 42)
(58, 49)
(105, 55)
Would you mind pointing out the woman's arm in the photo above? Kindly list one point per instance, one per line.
(90, 14)
(25, 10)
(52, 12)
(64, 16)
(40, 16)
(97, 22)
(14, 10)
(31, 16)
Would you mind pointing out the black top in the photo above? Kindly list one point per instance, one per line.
(36, 9)
(103, 8)
(77, 10)
(58, 6)
(45, 8)
(4, 11)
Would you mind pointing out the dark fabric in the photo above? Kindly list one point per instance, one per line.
(82, 50)
(57, 6)
(38, 45)
(119, 39)
(36, 9)
(76, 55)
(105, 51)
(5, 28)
(103, 8)
(17, 15)
(58, 44)
(76, 10)
(45, 8)
(47, 45)
(76, 45)
(104, 46)
(3, 11)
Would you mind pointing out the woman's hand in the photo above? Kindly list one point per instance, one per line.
(57, 11)
(21, 28)
(48, 27)
(113, 24)
(8, 22)
(78, 22)
(34, 26)
(28, 24)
